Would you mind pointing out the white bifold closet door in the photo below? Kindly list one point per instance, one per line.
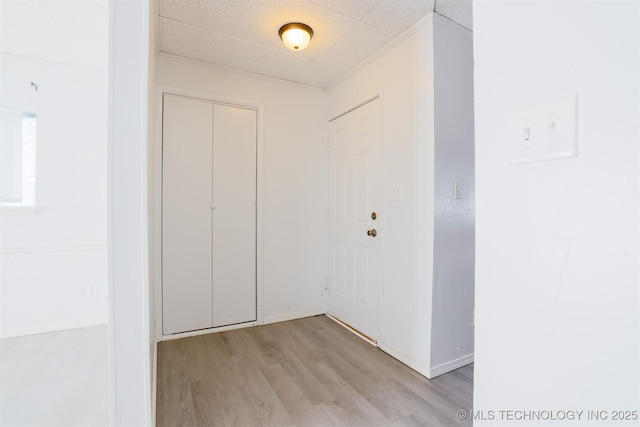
(208, 214)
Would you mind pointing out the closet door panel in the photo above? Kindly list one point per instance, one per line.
(234, 217)
(186, 214)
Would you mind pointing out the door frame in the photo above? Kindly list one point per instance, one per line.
(155, 207)
(351, 105)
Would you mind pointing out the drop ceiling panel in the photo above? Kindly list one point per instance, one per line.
(178, 39)
(243, 34)
(358, 44)
(258, 22)
(354, 9)
(201, 45)
(394, 17)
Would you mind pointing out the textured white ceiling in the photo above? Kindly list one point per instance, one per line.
(243, 34)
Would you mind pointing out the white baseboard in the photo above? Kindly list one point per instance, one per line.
(207, 331)
(413, 364)
(267, 320)
(293, 316)
(422, 369)
(451, 365)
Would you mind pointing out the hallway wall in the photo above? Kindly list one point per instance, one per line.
(403, 76)
(557, 240)
(454, 221)
(53, 256)
(293, 135)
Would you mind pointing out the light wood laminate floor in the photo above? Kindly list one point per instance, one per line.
(306, 372)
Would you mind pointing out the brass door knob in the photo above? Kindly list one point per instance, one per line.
(372, 232)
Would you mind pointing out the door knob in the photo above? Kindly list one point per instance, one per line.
(372, 232)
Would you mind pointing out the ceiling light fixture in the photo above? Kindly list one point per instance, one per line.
(295, 35)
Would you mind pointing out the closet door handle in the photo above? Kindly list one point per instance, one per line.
(372, 232)
(213, 206)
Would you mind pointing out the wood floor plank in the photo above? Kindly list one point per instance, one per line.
(428, 405)
(260, 394)
(466, 371)
(374, 392)
(409, 421)
(454, 385)
(302, 375)
(175, 393)
(305, 347)
(306, 372)
(237, 409)
(356, 407)
(447, 391)
(266, 342)
(235, 342)
(290, 395)
(377, 365)
(207, 404)
(219, 368)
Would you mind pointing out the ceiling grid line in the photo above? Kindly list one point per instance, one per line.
(243, 34)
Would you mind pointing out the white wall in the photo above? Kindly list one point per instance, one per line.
(130, 339)
(557, 296)
(404, 77)
(454, 233)
(293, 133)
(151, 236)
(72, 32)
(49, 255)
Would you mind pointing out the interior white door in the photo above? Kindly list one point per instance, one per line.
(234, 216)
(187, 133)
(354, 213)
(208, 214)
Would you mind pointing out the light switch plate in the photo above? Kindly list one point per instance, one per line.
(457, 190)
(397, 192)
(544, 132)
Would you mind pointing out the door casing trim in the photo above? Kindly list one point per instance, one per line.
(155, 206)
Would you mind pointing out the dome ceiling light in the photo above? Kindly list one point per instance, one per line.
(296, 35)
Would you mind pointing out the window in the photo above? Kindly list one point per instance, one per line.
(17, 157)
